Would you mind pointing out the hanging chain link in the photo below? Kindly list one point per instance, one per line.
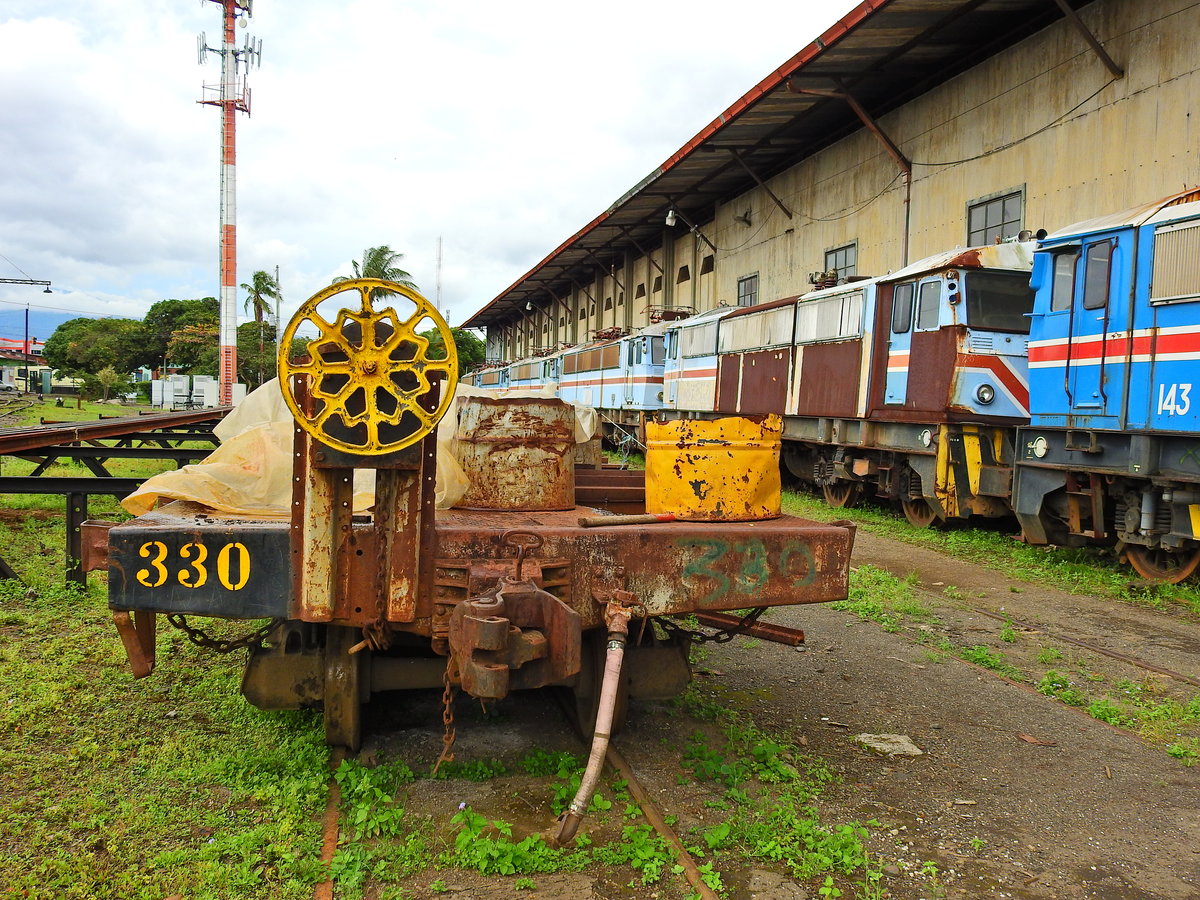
(720, 637)
(448, 735)
(201, 638)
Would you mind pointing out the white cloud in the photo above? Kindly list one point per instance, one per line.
(501, 128)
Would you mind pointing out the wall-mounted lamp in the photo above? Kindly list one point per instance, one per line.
(528, 305)
(671, 218)
(744, 218)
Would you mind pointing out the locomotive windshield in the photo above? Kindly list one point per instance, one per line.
(999, 301)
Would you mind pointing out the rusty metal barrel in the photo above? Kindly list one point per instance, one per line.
(517, 452)
(725, 470)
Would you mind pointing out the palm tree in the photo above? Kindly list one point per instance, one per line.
(381, 262)
(263, 287)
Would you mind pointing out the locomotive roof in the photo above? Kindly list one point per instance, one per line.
(886, 51)
(1129, 218)
(700, 318)
(1015, 255)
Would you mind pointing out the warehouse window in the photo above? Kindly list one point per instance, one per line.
(747, 290)
(685, 274)
(994, 219)
(843, 261)
(707, 264)
(640, 291)
(657, 284)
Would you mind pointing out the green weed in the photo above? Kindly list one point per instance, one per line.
(993, 660)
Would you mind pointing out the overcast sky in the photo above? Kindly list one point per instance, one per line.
(503, 128)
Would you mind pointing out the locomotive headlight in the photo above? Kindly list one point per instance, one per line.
(925, 437)
(1039, 446)
(985, 393)
(660, 396)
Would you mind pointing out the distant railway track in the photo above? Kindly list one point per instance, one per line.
(39, 437)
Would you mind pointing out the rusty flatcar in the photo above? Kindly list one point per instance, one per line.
(406, 595)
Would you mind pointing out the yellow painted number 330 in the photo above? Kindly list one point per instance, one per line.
(191, 569)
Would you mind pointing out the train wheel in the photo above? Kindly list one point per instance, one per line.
(842, 494)
(585, 696)
(919, 512)
(343, 682)
(1160, 564)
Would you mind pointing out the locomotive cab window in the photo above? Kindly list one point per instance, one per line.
(1063, 288)
(657, 351)
(1095, 275)
(999, 301)
(928, 298)
(902, 307)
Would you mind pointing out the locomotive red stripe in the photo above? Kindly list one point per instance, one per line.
(1091, 348)
(1003, 373)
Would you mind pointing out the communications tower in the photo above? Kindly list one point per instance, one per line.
(232, 96)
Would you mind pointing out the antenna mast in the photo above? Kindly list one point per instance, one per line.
(233, 97)
(437, 297)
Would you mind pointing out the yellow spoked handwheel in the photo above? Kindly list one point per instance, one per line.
(375, 381)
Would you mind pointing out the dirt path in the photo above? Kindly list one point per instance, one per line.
(1015, 795)
(1120, 627)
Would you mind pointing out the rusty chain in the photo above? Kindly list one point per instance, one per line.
(448, 734)
(201, 638)
(722, 636)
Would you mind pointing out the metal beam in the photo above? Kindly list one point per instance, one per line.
(47, 484)
(787, 212)
(608, 271)
(863, 116)
(641, 250)
(1073, 18)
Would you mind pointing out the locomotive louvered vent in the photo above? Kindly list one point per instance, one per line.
(1176, 275)
(981, 343)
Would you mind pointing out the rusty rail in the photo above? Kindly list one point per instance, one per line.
(768, 631)
(18, 440)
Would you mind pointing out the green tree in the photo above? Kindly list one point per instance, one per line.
(262, 288)
(168, 316)
(256, 344)
(83, 346)
(471, 350)
(193, 348)
(380, 262)
(105, 383)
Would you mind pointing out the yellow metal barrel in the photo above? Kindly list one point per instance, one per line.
(725, 470)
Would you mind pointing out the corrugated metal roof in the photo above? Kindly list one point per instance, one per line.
(883, 52)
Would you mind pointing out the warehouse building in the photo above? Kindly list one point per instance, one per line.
(907, 128)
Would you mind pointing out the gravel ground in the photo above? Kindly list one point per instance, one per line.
(1014, 794)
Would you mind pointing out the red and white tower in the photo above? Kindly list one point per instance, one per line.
(233, 95)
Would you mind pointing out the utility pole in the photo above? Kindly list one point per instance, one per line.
(234, 97)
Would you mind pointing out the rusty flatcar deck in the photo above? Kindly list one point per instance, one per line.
(182, 560)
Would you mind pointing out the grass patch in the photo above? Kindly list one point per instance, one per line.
(144, 789)
(878, 596)
(1081, 571)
